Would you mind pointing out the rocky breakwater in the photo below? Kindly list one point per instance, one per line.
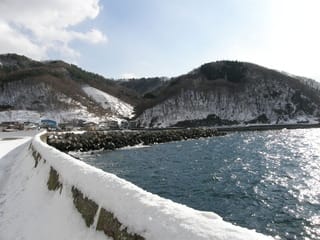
(110, 140)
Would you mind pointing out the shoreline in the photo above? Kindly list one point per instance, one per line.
(239, 128)
(115, 139)
(267, 127)
(235, 128)
(111, 140)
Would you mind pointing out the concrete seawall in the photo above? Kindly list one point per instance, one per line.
(88, 209)
(122, 210)
(47, 194)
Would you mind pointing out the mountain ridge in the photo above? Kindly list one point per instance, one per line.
(55, 86)
(231, 91)
(216, 93)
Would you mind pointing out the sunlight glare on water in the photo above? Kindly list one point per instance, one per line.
(268, 181)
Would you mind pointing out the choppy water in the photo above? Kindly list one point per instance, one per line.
(269, 181)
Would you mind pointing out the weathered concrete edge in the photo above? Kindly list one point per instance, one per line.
(88, 209)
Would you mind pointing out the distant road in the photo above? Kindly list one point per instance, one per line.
(263, 127)
(267, 127)
(11, 140)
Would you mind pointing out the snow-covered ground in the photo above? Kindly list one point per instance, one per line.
(19, 115)
(108, 101)
(28, 210)
(11, 140)
(8, 145)
(59, 116)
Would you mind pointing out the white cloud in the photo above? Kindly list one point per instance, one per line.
(93, 36)
(35, 27)
(14, 41)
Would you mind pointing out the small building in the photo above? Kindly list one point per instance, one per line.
(30, 125)
(48, 124)
(132, 124)
(66, 126)
(90, 126)
(11, 126)
(124, 124)
(111, 124)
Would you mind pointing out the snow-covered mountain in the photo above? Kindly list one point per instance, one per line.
(227, 92)
(30, 90)
(217, 93)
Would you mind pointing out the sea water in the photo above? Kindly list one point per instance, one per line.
(268, 181)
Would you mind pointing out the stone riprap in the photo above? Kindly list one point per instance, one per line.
(110, 140)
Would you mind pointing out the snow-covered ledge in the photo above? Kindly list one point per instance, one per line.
(122, 210)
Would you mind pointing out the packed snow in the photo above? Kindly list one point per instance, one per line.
(10, 142)
(20, 116)
(44, 101)
(108, 101)
(28, 210)
(58, 115)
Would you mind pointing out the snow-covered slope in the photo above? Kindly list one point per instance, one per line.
(30, 102)
(255, 93)
(24, 95)
(108, 101)
(190, 105)
(55, 88)
(307, 81)
(32, 212)
(57, 115)
(20, 115)
(222, 92)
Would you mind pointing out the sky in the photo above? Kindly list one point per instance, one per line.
(145, 38)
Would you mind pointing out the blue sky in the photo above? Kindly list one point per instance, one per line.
(155, 38)
(123, 38)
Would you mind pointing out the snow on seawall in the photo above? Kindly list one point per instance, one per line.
(31, 211)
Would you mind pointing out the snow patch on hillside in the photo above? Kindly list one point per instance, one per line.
(30, 102)
(108, 101)
(20, 116)
(58, 115)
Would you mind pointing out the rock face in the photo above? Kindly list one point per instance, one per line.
(234, 93)
(118, 139)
